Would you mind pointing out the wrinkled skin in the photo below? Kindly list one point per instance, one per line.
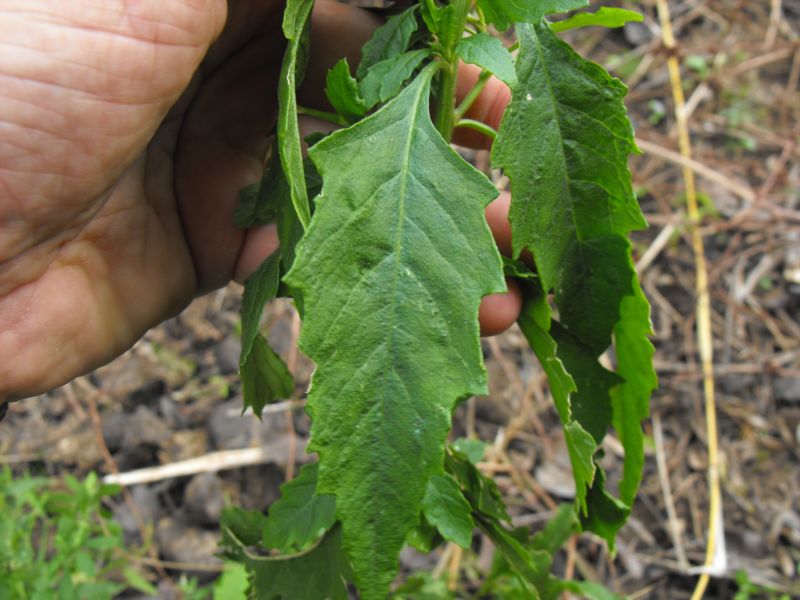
(127, 128)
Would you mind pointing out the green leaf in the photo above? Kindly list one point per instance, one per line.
(604, 17)
(389, 40)
(535, 323)
(606, 514)
(480, 491)
(391, 271)
(488, 52)
(533, 567)
(557, 531)
(430, 15)
(630, 400)
(573, 207)
(300, 516)
(246, 525)
(517, 268)
(319, 573)
(590, 404)
(232, 584)
(296, 21)
(588, 589)
(342, 92)
(446, 508)
(424, 537)
(384, 80)
(473, 450)
(265, 377)
(502, 13)
(260, 288)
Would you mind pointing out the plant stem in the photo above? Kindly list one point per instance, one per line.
(446, 86)
(478, 126)
(473, 94)
(322, 114)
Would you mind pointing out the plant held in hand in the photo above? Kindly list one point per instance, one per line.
(387, 254)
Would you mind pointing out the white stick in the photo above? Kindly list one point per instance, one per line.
(208, 463)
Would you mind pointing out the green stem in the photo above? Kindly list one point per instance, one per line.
(446, 87)
(473, 94)
(483, 128)
(322, 114)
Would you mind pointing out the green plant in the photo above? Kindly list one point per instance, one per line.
(58, 541)
(387, 272)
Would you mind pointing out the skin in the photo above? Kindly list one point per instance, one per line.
(127, 128)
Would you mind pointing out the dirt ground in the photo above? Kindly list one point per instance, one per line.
(176, 394)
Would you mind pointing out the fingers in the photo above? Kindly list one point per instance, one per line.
(498, 312)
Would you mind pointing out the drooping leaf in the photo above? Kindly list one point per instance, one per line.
(260, 288)
(502, 13)
(573, 207)
(296, 21)
(391, 271)
(389, 40)
(423, 586)
(446, 508)
(535, 323)
(342, 92)
(384, 80)
(576, 170)
(488, 52)
(605, 16)
(320, 573)
(301, 515)
(265, 377)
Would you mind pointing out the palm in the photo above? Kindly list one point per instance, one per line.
(122, 232)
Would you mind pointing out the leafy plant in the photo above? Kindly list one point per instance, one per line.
(387, 266)
(58, 541)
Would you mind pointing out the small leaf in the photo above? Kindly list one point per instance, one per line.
(342, 92)
(517, 268)
(384, 80)
(424, 537)
(231, 584)
(246, 525)
(265, 377)
(296, 21)
(502, 13)
(430, 14)
(319, 573)
(260, 288)
(472, 449)
(488, 52)
(557, 531)
(389, 40)
(300, 516)
(445, 508)
(604, 17)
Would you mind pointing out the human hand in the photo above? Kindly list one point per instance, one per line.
(126, 132)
